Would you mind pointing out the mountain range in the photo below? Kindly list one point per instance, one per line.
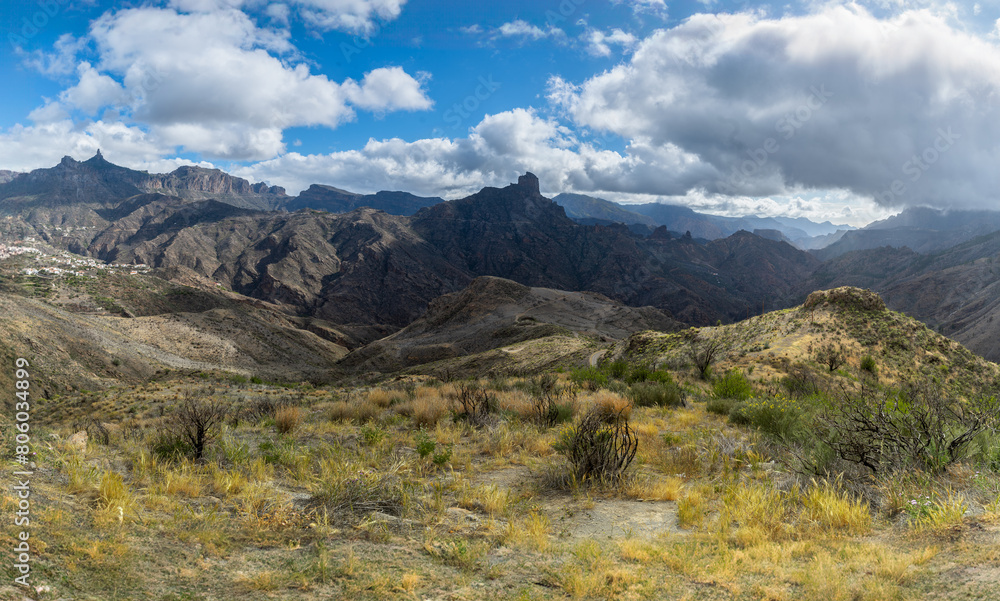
(798, 231)
(348, 269)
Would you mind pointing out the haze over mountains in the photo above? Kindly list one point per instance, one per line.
(351, 268)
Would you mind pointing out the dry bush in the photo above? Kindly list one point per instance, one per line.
(341, 411)
(380, 397)
(917, 426)
(515, 401)
(365, 411)
(427, 407)
(347, 489)
(476, 404)
(260, 407)
(610, 403)
(427, 411)
(197, 421)
(831, 356)
(601, 446)
(287, 419)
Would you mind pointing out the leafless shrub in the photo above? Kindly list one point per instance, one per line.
(197, 421)
(476, 404)
(260, 408)
(917, 426)
(601, 446)
(545, 393)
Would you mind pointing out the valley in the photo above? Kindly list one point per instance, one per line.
(397, 402)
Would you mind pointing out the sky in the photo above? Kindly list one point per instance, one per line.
(840, 111)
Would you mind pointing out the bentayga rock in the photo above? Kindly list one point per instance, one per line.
(530, 181)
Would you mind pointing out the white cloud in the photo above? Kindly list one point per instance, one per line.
(388, 88)
(599, 43)
(278, 12)
(845, 105)
(213, 83)
(23, 148)
(61, 61)
(522, 29)
(496, 150)
(358, 16)
(94, 91)
(50, 112)
(655, 7)
(204, 6)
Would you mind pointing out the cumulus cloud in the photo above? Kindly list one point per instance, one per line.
(217, 84)
(388, 88)
(61, 61)
(599, 43)
(358, 16)
(93, 91)
(497, 149)
(525, 30)
(905, 114)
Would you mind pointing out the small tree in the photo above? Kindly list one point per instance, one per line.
(197, 421)
(704, 350)
(831, 356)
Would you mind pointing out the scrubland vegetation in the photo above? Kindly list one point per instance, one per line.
(775, 473)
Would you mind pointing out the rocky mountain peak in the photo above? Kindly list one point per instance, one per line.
(529, 181)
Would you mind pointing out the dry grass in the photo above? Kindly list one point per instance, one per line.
(648, 488)
(831, 510)
(287, 419)
(529, 532)
(290, 516)
(610, 403)
(380, 397)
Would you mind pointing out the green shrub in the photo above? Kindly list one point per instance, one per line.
(918, 425)
(564, 412)
(868, 364)
(171, 447)
(639, 373)
(800, 383)
(733, 385)
(443, 457)
(590, 378)
(425, 446)
(660, 375)
(720, 406)
(372, 434)
(656, 394)
(780, 417)
(617, 369)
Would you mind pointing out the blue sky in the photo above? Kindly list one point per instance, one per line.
(828, 110)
